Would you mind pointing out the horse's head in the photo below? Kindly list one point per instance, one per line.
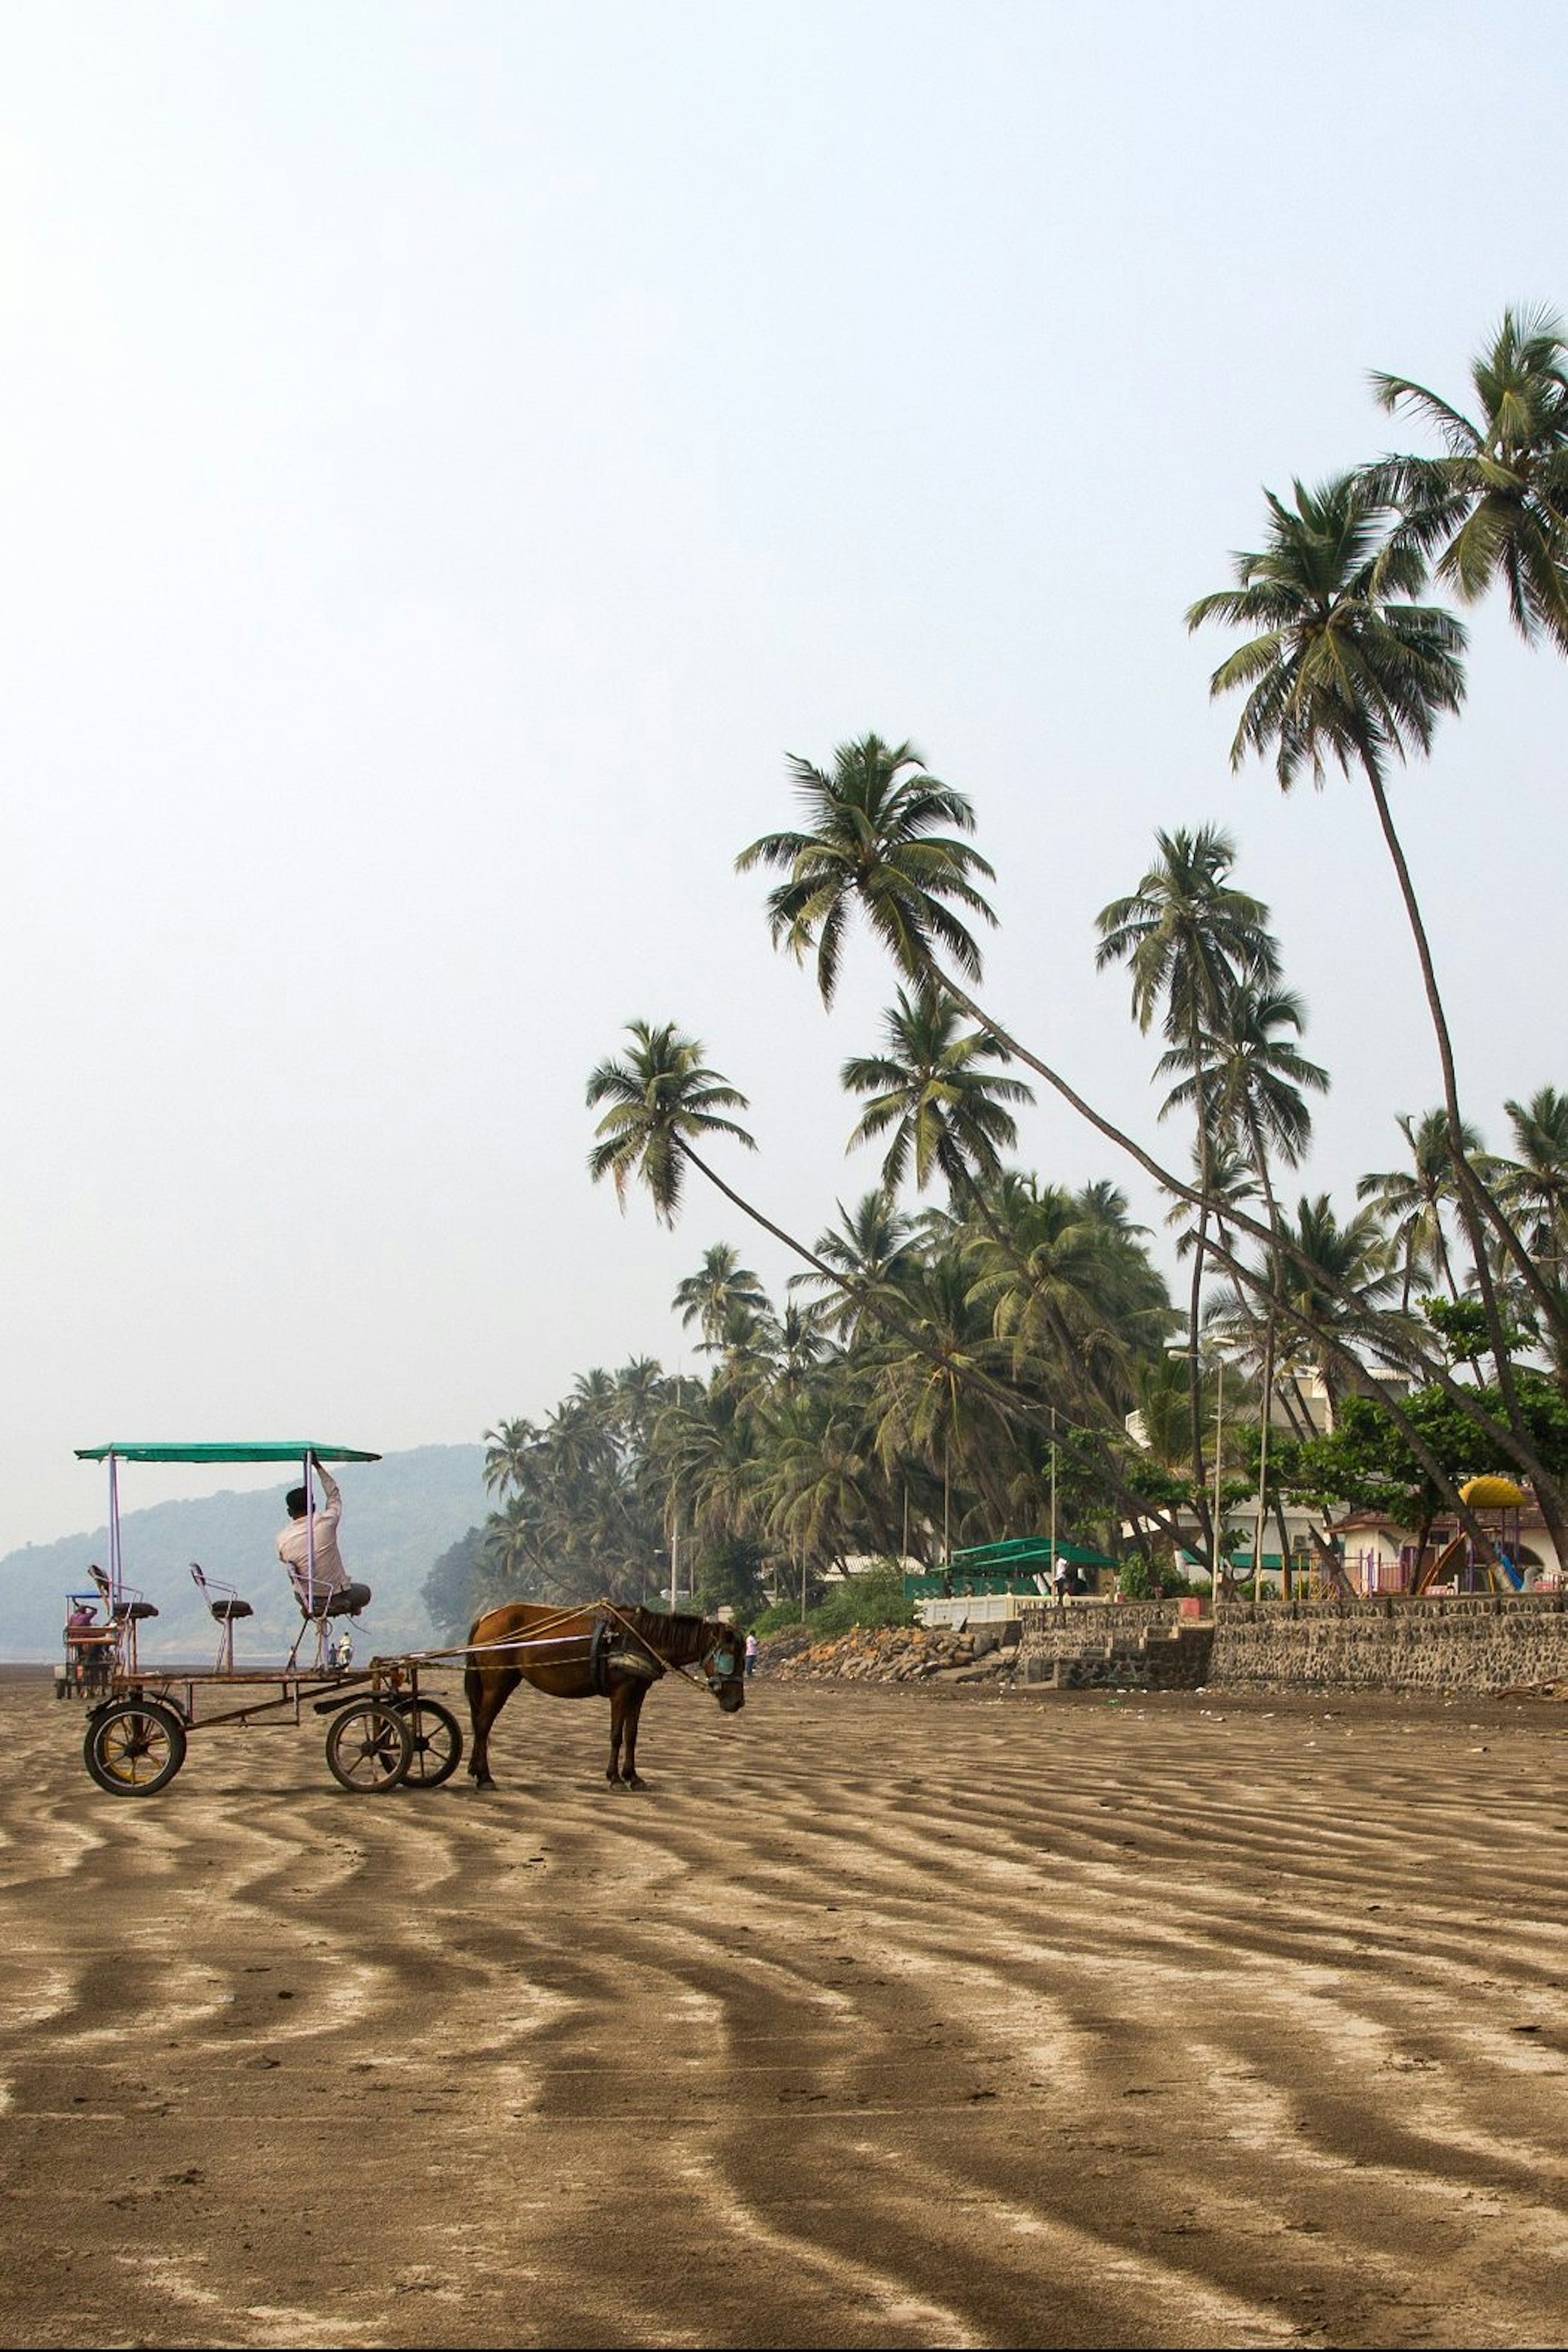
(723, 1664)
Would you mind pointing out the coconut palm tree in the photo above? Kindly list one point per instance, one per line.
(869, 1246)
(1354, 1256)
(1535, 1182)
(1257, 1077)
(1348, 668)
(662, 1100)
(1189, 939)
(944, 1113)
(876, 846)
(507, 1448)
(720, 1285)
(1495, 507)
(1412, 1201)
(873, 844)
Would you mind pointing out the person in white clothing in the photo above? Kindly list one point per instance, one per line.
(308, 1548)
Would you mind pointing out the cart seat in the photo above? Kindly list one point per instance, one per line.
(347, 1601)
(129, 1608)
(222, 1600)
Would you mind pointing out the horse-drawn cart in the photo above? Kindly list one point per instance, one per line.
(384, 1730)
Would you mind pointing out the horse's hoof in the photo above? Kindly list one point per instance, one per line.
(632, 1782)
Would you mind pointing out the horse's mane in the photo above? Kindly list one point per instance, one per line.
(674, 1634)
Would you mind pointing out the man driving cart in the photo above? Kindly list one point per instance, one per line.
(307, 1548)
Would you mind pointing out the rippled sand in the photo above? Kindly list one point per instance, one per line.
(880, 2019)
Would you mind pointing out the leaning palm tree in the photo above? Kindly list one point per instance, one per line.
(870, 1244)
(1413, 1201)
(1496, 505)
(662, 1100)
(943, 1112)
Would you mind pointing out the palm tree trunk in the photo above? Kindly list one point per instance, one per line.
(1476, 1202)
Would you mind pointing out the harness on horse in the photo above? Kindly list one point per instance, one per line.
(611, 1653)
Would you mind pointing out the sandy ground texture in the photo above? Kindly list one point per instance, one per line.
(879, 2019)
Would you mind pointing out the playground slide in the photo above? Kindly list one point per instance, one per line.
(1446, 1560)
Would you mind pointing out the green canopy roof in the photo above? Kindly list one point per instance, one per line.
(271, 1450)
(1027, 1552)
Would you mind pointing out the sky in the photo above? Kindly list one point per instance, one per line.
(452, 454)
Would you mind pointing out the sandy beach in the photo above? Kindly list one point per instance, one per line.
(879, 2019)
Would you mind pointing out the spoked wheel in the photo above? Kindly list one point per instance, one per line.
(135, 1746)
(368, 1748)
(436, 1739)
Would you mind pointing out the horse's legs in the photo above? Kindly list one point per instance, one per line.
(488, 1691)
(635, 1698)
(619, 1697)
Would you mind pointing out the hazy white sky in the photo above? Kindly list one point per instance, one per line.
(450, 454)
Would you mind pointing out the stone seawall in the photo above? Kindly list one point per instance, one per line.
(1461, 1642)
(1464, 1643)
(1123, 1645)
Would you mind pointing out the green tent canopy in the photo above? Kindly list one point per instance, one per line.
(270, 1450)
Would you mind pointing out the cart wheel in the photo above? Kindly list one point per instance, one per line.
(438, 1742)
(135, 1746)
(368, 1748)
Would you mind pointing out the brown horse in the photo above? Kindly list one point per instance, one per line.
(601, 1651)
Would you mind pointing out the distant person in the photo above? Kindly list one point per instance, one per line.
(1063, 1579)
(323, 1585)
(81, 1617)
(751, 1656)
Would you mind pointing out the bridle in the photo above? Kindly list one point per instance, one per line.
(722, 1666)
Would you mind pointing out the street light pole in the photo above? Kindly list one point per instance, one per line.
(1194, 1356)
(1052, 1566)
(1218, 1452)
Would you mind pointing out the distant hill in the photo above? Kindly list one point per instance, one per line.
(399, 1516)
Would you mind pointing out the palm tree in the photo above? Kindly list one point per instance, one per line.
(1257, 1077)
(720, 1285)
(507, 1448)
(1536, 1182)
(661, 1098)
(1497, 503)
(1354, 1256)
(1190, 939)
(1349, 668)
(946, 1114)
(1413, 1199)
(873, 844)
(876, 846)
(869, 1246)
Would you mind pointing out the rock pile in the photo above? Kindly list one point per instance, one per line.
(900, 1654)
